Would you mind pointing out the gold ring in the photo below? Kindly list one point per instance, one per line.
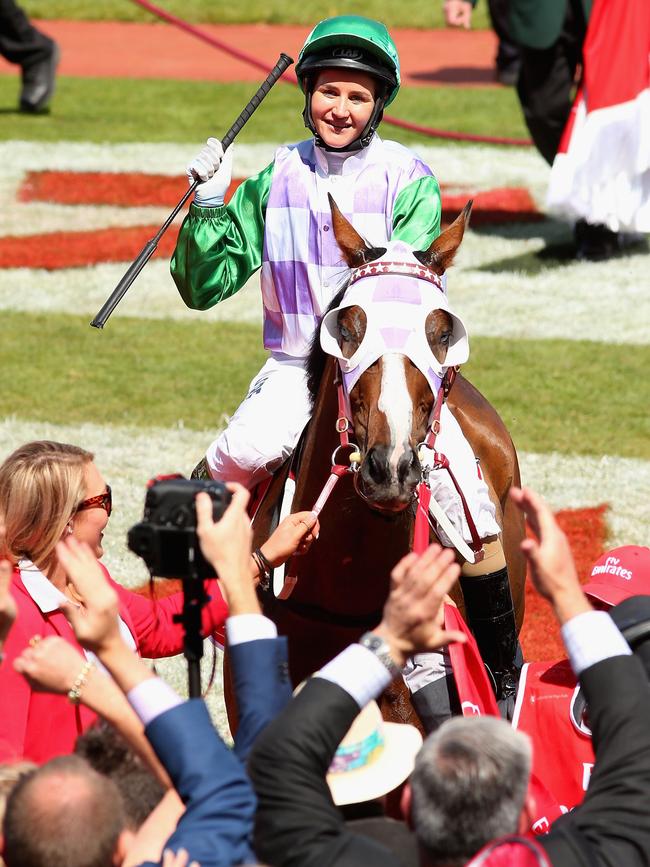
(33, 641)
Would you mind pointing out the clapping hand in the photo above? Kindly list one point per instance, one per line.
(96, 624)
(50, 664)
(411, 622)
(226, 544)
(552, 569)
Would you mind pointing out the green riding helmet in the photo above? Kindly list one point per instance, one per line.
(355, 43)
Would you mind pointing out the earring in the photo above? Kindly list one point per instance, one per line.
(69, 529)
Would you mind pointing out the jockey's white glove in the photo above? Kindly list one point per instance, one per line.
(213, 169)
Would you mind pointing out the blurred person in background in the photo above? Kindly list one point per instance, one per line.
(36, 54)
(458, 13)
(595, 140)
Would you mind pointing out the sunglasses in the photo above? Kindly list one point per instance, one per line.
(101, 501)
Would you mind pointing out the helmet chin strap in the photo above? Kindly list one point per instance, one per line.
(362, 141)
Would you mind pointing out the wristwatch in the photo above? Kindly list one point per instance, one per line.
(376, 644)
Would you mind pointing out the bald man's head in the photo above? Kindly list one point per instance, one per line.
(63, 813)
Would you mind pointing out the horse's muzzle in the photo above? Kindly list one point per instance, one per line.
(384, 486)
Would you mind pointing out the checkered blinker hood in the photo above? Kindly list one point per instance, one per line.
(397, 293)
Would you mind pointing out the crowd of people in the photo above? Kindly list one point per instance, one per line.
(311, 777)
(315, 778)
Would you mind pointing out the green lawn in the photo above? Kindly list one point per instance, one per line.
(256, 11)
(123, 110)
(571, 396)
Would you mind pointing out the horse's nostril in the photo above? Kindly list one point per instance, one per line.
(376, 466)
(408, 469)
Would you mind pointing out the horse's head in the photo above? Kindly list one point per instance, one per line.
(394, 334)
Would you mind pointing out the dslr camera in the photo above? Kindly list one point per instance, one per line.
(166, 537)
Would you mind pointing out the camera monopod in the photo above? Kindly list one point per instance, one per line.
(194, 598)
(150, 247)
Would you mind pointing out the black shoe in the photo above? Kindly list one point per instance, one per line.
(595, 242)
(38, 82)
(508, 76)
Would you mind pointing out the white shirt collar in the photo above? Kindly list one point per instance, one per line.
(354, 162)
(43, 592)
(49, 598)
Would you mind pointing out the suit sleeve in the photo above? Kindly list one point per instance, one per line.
(218, 249)
(297, 823)
(219, 802)
(611, 825)
(260, 674)
(156, 634)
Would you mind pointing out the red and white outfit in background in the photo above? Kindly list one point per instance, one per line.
(563, 756)
(547, 709)
(602, 169)
(40, 725)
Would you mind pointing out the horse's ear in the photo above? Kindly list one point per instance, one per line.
(440, 254)
(355, 250)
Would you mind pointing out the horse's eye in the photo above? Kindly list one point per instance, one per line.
(345, 333)
(445, 337)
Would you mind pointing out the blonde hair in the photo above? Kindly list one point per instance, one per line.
(41, 485)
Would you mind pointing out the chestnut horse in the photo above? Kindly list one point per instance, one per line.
(342, 582)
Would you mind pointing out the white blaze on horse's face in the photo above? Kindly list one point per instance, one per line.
(395, 403)
(386, 339)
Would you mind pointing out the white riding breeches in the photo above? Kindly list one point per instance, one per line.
(266, 426)
(452, 443)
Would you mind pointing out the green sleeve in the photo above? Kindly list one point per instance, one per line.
(416, 213)
(218, 249)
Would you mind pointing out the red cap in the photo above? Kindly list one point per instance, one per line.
(511, 852)
(619, 574)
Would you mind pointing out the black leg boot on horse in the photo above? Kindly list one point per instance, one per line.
(490, 615)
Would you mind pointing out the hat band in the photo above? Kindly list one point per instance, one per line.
(359, 755)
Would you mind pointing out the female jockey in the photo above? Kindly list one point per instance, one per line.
(279, 221)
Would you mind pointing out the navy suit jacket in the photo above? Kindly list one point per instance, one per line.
(216, 828)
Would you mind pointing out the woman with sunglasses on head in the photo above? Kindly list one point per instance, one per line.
(48, 492)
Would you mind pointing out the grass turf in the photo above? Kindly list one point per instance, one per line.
(252, 11)
(123, 110)
(575, 397)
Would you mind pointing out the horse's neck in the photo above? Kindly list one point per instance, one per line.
(321, 439)
(349, 567)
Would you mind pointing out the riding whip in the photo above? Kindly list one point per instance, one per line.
(150, 247)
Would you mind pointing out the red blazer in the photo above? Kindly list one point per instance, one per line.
(40, 725)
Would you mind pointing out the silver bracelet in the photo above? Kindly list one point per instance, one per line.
(376, 645)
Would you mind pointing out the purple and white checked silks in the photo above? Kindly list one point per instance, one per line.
(302, 266)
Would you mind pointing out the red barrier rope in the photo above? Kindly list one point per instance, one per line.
(291, 78)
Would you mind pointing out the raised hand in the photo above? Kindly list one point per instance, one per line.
(411, 622)
(96, 623)
(213, 168)
(549, 555)
(50, 664)
(293, 535)
(227, 546)
(206, 163)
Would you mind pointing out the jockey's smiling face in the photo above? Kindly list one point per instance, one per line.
(341, 105)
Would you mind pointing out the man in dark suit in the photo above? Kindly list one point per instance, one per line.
(297, 824)
(216, 826)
